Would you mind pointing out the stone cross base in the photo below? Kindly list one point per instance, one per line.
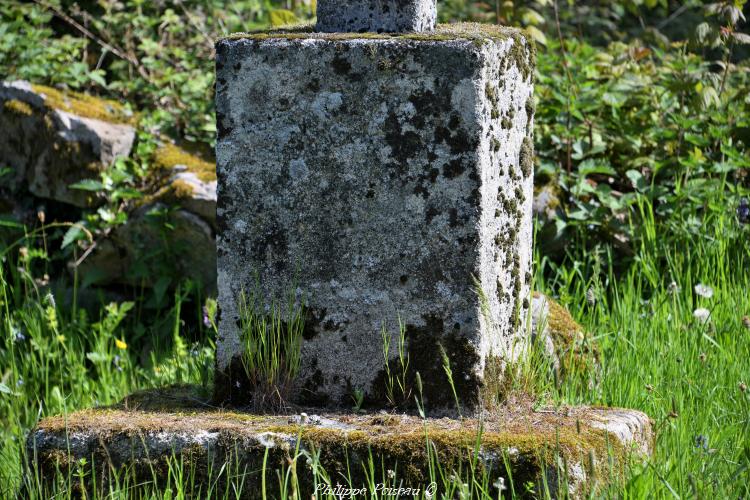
(569, 452)
(386, 179)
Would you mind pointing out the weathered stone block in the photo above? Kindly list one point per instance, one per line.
(52, 139)
(568, 452)
(385, 179)
(376, 15)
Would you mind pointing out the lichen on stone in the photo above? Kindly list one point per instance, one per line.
(527, 157)
(144, 432)
(524, 57)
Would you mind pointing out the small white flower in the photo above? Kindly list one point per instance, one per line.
(673, 288)
(704, 291)
(391, 474)
(500, 484)
(702, 314)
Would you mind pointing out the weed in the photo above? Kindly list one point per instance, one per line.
(271, 344)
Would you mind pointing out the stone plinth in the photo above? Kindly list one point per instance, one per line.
(376, 15)
(382, 178)
(570, 452)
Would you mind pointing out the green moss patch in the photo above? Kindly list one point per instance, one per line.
(576, 350)
(18, 107)
(532, 442)
(198, 162)
(85, 105)
(459, 31)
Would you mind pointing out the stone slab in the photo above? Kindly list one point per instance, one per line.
(376, 15)
(385, 179)
(53, 139)
(572, 449)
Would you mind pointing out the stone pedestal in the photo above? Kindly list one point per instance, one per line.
(383, 178)
(566, 452)
(376, 15)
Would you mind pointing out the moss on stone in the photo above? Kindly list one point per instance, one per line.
(527, 157)
(577, 352)
(561, 322)
(170, 155)
(18, 107)
(84, 105)
(474, 32)
(532, 442)
(523, 53)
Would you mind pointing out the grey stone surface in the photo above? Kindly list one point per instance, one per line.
(381, 178)
(527, 444)
(376, 15)
(48, 148)
(194, 194)
(540, 330)
(570, 350)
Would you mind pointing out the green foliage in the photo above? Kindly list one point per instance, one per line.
(641, 126)
(31, 50)
(56, 356)
(158, 56)
(638, 121)
(689, 374)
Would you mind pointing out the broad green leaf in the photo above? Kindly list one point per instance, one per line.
(536, 34)
(74, 233)
(88, 185)
(639, 182)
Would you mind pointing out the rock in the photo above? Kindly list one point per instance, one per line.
(569, 348)
(546, 203)
(376, 15)
(384, 178)
(156, 242)
(522, 445)
(191, 184)
(550, 218)
(57, 139)
(144, 250)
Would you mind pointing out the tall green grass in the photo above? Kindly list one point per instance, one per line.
(56, 357)
(271, 342)
(688, 374)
